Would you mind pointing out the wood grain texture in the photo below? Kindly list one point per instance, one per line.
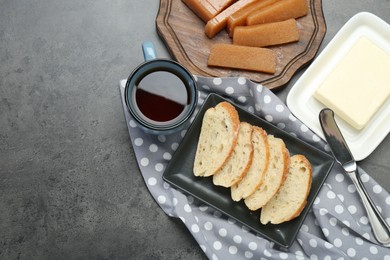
(183, 34)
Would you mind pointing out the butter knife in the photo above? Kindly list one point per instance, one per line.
(344, 157)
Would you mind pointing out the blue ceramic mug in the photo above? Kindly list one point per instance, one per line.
(160, 94)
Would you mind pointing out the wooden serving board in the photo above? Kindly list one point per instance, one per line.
(183, 33)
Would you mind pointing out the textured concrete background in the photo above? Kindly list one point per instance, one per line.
(70, 187)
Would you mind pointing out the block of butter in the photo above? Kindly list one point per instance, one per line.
(358, 85)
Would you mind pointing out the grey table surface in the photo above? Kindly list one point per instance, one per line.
(70, 187)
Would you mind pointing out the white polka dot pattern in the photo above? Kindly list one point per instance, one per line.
(335, 228)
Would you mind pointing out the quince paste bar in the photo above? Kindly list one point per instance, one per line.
(207, 9)
(267, 34)
(242, 57)
(279, 11)
(219, 22)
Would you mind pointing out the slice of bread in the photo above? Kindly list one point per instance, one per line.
(255, 174)
(239, 161)
(291, 198)
(275, 175)
(218, 136)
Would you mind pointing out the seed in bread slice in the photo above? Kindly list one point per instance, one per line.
(255, 174)
(218, 136)
(275, 175)
(239, 161)
(291, 198)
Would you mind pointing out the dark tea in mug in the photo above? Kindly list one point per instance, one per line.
(161, 97)
(160, 94)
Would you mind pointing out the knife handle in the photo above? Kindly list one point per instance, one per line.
(379, 226)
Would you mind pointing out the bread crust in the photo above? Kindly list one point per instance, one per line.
(230, 114)
(310, 180)
(231, 172)
(233, 114)
(298, 161)
(247, 166)
(249, 184)
(273, 179)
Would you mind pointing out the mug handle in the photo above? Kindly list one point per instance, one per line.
(149, 51)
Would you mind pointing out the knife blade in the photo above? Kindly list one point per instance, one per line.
(344, 157)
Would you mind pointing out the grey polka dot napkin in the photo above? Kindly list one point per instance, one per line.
(336, 227)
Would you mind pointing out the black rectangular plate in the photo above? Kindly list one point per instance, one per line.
(180, 175)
